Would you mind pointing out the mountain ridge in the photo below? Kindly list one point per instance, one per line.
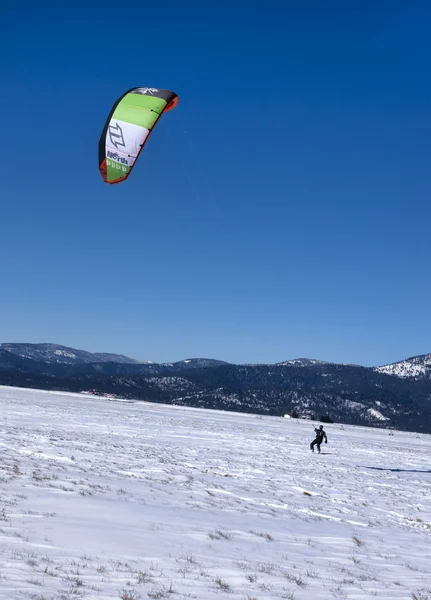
(64, 354)
(309, 388)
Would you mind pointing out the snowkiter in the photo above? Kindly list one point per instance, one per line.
(320, 436)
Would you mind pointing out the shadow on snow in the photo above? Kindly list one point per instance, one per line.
(395, 470)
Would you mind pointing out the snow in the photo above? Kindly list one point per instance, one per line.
(66, 354)
(171, 383)
(416, 367)
(105, 500)
(301, 362)
(377, 414)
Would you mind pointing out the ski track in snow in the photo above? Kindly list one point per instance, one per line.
(113, 500)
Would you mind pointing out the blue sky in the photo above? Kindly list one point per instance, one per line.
(281, 210)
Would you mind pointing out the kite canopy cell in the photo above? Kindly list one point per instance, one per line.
(127, 129)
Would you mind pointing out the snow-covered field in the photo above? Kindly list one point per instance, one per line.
(104, 499)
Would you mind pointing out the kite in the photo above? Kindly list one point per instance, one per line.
(127, 129)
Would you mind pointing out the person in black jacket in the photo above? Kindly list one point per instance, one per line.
(320, 436)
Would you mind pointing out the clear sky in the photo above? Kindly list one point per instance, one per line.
(282, 210)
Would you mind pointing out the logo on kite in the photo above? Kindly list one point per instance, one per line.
(150, 91)
(117, 157)
(116, 136)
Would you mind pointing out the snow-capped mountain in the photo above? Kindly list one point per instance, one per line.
(195, 363)
(302, 362)
(417, 367)
(54, 353)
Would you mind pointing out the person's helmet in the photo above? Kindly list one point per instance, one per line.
(321, 427)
